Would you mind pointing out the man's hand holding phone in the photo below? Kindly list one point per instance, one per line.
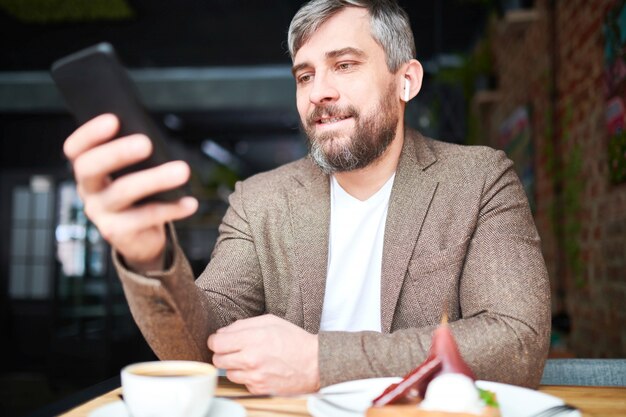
(137, 232)
(129, 185)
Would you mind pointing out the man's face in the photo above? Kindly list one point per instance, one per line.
(346, 96)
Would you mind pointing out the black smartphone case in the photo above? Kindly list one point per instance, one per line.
(92, 82)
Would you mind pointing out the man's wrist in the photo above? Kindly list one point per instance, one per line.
(152, 265)
(162, 262)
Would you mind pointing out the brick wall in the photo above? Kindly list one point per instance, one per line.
(552, 61)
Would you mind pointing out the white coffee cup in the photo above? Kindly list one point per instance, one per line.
(169, 388)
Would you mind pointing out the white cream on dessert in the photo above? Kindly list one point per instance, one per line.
(452, 392)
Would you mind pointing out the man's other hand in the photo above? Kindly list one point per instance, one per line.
(268, 355)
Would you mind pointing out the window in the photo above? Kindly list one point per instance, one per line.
(32, 224)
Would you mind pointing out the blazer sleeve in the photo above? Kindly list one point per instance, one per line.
(175, 314)
(504, 299)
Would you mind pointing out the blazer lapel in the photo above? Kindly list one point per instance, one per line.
(309, 206)
(412, 192)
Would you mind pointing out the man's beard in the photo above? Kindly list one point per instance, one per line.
(372, 135)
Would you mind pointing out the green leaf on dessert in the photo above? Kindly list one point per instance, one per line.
(488, 397)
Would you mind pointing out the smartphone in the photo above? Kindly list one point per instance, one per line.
(93, 81)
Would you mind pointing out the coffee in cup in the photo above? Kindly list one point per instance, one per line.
(169, 388)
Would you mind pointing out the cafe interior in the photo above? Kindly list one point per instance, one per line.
(543, 80)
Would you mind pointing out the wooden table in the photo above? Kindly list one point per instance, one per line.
(593, 401)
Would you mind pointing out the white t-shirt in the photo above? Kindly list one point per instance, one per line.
(355, 250)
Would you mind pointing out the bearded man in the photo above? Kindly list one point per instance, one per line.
(340, 265)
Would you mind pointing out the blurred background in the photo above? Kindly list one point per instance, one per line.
(543, 80)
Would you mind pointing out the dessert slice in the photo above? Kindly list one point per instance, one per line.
(442, 386)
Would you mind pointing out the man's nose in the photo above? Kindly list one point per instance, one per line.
(323, 90)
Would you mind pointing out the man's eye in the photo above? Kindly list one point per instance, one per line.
(344, 66)
(304, 78)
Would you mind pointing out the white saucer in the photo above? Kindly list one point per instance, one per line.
(219, 408)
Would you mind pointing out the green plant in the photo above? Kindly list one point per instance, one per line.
(45, 11)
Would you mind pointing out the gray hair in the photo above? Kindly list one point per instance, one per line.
(389, 24)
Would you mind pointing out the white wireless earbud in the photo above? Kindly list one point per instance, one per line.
(407, 90)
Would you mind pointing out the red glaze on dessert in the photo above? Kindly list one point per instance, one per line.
(443, 357)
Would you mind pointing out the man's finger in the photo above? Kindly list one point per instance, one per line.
(248, 324)
(152, 214)
(237, 376)
(254, 382)
(238, 360)
(92, 167)
(96, 131)
(225, 343)
(133, 187)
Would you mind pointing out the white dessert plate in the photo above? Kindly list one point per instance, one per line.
(514, 401)
(219, 408)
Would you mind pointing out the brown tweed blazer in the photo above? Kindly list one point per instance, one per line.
(459, 238)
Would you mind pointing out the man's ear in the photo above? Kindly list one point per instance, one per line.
(413, 74)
